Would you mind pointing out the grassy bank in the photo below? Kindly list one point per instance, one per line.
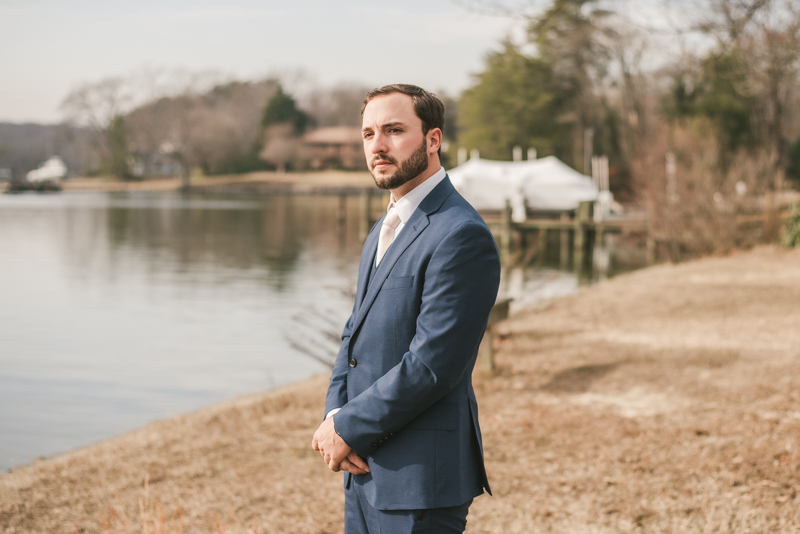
(665, 400)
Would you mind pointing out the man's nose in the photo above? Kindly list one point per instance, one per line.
(379, 144)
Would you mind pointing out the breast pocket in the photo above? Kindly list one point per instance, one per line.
(399, 282)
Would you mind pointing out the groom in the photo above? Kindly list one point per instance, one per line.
(400, 416)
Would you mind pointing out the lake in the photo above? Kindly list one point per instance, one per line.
(117, 309)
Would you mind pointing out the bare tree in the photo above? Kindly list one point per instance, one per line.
(764, 36)
(772, 53)
(97, 106)
(336, 106)
(216, 131)
(727, 20)
(281, 145)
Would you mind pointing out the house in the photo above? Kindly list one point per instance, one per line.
(335, 147)
(153, 164)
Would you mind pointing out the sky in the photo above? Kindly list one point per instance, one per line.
(49, 47)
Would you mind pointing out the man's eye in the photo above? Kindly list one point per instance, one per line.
(367, 135)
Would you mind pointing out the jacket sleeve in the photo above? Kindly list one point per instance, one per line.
(459, 289)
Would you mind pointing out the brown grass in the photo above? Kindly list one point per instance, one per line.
(666, 400)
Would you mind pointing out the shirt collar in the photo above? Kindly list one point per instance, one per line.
(410, 201)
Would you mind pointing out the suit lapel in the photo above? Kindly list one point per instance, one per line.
(367, 261)
(413, 228)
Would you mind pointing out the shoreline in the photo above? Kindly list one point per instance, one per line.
(254, 182)
(260, 182)
(663, 399)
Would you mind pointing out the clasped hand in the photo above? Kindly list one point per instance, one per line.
(336, 453)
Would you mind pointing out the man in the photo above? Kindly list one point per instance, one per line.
(401, 417)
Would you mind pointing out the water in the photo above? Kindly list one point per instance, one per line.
(119, 309)
(116, 310)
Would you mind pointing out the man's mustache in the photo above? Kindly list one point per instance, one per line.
(378, 158)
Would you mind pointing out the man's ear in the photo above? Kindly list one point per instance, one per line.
(434, 140)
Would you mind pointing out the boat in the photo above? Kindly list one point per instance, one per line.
(47, 177)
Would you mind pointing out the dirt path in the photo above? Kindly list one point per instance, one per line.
(666, 400)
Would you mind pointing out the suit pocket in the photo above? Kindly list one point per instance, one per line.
(440, 416)
(399, 282)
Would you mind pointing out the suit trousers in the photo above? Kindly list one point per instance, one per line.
(361, 518)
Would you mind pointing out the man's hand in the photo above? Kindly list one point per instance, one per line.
(336, 453)
(354, 464)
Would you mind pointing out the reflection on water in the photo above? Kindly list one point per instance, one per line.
(553, 273)
(533, 285)
(117, 309)
(120, 309)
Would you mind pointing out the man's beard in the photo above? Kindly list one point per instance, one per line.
(409, 169)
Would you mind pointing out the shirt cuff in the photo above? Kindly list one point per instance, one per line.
(332, 413)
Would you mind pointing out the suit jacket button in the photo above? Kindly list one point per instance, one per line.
(353, 362)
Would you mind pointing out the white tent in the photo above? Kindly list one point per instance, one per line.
(543, 184)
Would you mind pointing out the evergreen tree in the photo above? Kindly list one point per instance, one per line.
(117, 163)
(281, 108)
(512, 104)
(719, 91)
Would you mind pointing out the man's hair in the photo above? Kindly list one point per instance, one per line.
(427, 106)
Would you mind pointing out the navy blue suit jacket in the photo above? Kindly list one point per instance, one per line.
(403, 374)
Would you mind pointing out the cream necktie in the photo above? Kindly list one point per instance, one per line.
(390, 223)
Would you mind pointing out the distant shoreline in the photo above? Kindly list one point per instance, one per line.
(323, 182)
(255, 182)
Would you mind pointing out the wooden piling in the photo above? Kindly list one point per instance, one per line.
(564, 236)
(598, 234)
(651, 243)
(541, 242)
(505, 234)
(581, 218)
(498, 313)
(341, 212)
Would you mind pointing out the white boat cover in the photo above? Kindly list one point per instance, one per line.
(544, 184)
(51, 170)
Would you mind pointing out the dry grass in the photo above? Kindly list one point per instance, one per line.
(666, 400)
(249, 460)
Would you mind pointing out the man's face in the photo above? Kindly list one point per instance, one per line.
(395, 148)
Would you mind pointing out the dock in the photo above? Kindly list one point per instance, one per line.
(578, 227)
